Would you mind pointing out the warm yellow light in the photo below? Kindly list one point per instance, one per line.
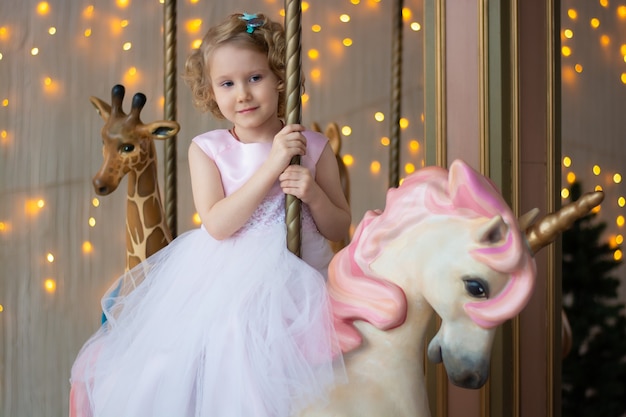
(95, 202)
(414, 146)
(0, 56)
(314, 54)
(598, 188)
(282, 12)
(122, 4)
(596, 209)
(305, 6)
(619, 239)
(124, 23)
(375, 167)
(348, 159)
(5, 227)
(596, 170)
(578, 68)
(52, 30)
(617, 178)
(404, 123)
(345, 18)
(193, 25)
(305, 98)
(196, 44)
(1, 308)
(564, 193)
(43, 8)
(621, 12)
(316, 74)
(623, 77)
(132, 71)
(91, 221)
(617, 255)
(595, 23)
(50, 285)
(88, 12)
(572, 14)
(5, 102)
(355, 1)
(619, 220)
(566, 51)
(568, 33)
(47, 81)
(87, 247)
(196, 219)
(87, 32)
(127, 46)
(571, 177)
(4, 33)
(50, 257)
(346, 130)
(347, 42)
(316, 28)
(567, 161)
(409, 168)
(33, 207)
(604, 3)
(621, 201)
(605, 40)
(34, 51)
(379, 116)
(4, 135)
(406, 13)
(385, 141)
(415, 26)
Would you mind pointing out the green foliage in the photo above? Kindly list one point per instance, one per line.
(594, 372)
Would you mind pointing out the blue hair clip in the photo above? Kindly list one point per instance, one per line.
(252, 21)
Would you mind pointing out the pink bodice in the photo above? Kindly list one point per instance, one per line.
(238, 161)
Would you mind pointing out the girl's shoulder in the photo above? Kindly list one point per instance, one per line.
(213, 142)
(315, 143)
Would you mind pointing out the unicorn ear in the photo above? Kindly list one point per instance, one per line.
(492, 232)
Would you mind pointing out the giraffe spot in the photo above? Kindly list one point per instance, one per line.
(152, 212)
(133, 222)
(157, 240)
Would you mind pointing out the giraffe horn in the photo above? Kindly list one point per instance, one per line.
(139, 100)
(117, 97)
(546, 230)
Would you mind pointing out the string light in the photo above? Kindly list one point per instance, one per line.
(50, 285)
(346, 130)
(375, 167)
(379, 116)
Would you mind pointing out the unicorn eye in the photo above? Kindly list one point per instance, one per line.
(476, 287)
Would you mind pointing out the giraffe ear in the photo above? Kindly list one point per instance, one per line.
(104, 109)
(162, 129)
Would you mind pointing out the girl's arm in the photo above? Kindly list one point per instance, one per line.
(323, 195)
(223, 215)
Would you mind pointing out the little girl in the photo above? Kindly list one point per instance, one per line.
(225, 321)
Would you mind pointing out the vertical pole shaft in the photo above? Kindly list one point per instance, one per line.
(293, 31)
(170, 190)
(396, 93)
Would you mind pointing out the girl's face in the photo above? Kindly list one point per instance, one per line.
(244, 86)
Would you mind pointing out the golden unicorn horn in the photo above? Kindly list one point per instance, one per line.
(546, 230)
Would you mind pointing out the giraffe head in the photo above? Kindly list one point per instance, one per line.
(127, 142)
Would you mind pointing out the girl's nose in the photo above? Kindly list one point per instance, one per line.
(243, 94)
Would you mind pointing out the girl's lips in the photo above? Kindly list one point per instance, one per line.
(247, 110)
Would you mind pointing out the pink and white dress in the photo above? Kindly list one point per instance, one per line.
(233, 328)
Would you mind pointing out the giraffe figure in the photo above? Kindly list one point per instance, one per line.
(128, 148)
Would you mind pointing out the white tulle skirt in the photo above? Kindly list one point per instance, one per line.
(233, 328)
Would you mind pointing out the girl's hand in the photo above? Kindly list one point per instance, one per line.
(288, 143)
(298, 181)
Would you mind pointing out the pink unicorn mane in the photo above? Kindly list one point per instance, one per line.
(358, 294)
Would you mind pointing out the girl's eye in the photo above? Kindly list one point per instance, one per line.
(255, 78)
(227, 84)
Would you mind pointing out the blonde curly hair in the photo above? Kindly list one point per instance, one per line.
(267, 38)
